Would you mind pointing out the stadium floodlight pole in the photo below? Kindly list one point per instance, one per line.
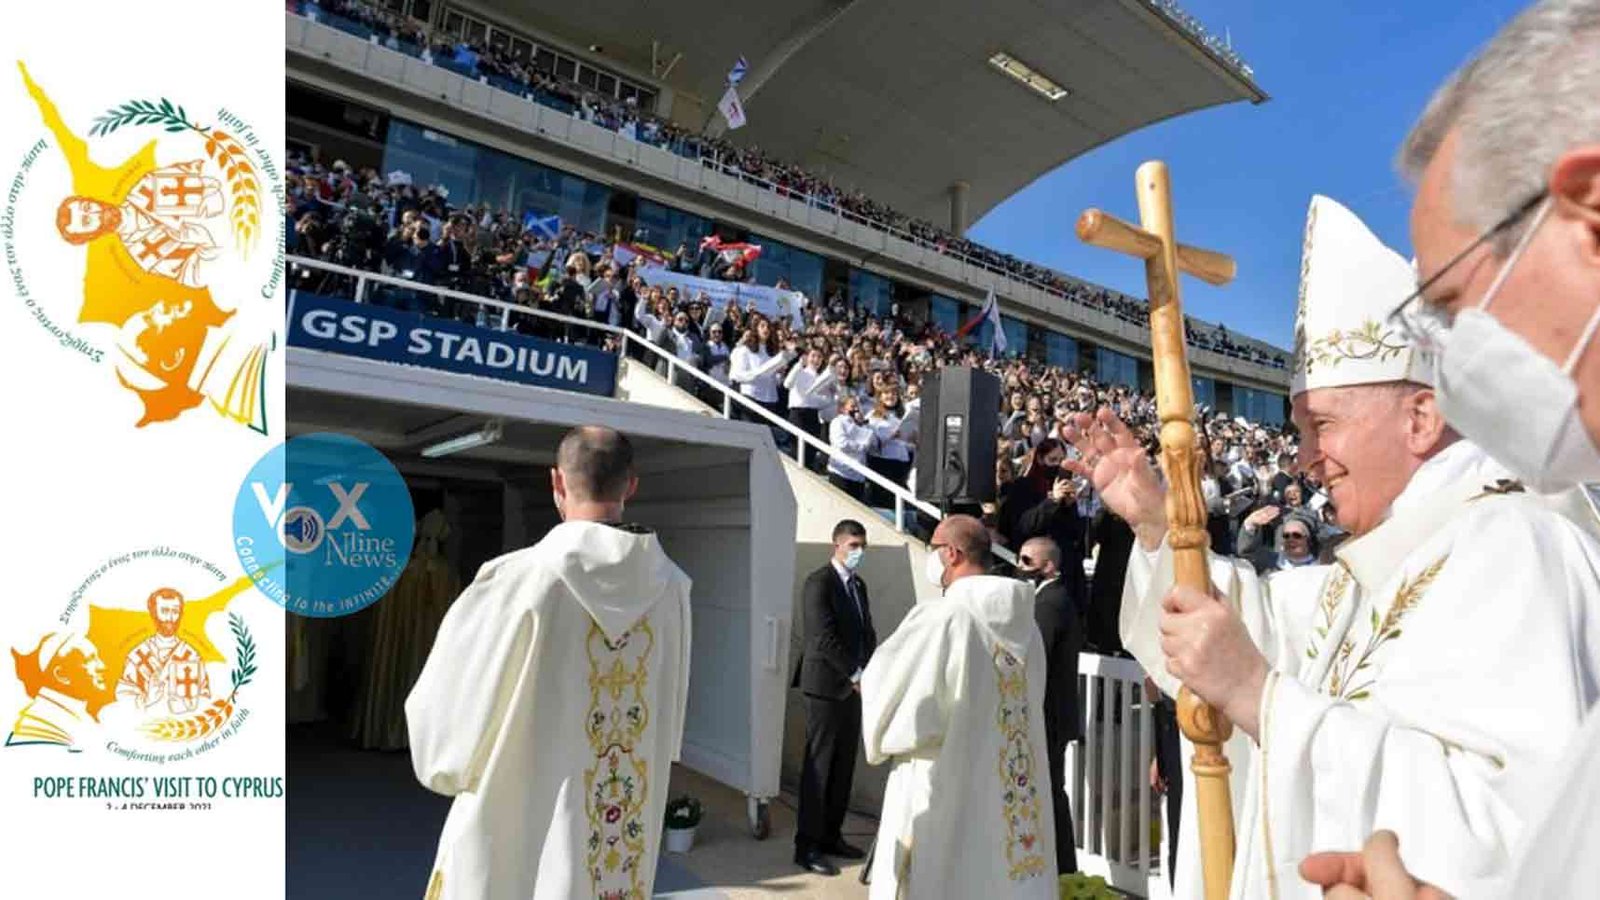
(1153, 241)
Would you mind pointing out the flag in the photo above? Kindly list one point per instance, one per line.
(547, 227)
(732, 254)
(997, 337)
(989, 303)
(731, 108)
(736, 74)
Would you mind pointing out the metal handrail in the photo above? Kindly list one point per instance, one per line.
(902, 496)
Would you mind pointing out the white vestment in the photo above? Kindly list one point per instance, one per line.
(551, 708)
(1425, 683)
(956, 698)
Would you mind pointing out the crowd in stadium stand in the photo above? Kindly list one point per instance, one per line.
(498, 68)
(850, 379)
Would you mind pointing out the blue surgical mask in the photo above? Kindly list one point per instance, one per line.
(853, 559)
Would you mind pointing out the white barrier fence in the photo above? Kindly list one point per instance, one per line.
(1117, 819)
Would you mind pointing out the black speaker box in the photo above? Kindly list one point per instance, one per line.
(959, 428)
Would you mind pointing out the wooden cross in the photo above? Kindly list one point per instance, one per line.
(1153, 241)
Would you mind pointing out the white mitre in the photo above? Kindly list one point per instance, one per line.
(1349, 283)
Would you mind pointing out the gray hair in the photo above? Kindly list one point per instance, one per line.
(1529, 97)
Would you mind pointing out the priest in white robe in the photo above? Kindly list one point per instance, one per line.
(1376, 690)
(552, 704)
(955, 699)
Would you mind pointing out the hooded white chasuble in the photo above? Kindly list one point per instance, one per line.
(551, 708)
(1426, 683)
(955, 698)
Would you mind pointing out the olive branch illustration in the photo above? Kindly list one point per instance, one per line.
(221, 710)
(223, 149)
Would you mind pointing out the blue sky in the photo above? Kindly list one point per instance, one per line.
(1346, 81)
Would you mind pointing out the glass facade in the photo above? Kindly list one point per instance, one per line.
(1061, 351)
(947, 313)
(874, 293)
(1264, 407)
(1112, 367)
(803, 270)
(474, 174)
(664, 227)
(1016, 332)
(1205, 391)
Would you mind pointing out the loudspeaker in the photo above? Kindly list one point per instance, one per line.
(959, 428)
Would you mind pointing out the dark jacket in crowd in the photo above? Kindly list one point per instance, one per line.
(1116, 541)
(1061, 625)
(839, 637)
(1029, 512)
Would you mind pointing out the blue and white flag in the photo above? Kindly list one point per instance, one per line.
(736, 74)
(547, 227)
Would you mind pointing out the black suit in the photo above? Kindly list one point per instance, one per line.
(838, 642)
(1061, 625)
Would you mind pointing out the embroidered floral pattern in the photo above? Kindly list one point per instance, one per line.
(1344, 676)
(1020, 794)
(617, 785)
(1327, 607)
(1370, 341)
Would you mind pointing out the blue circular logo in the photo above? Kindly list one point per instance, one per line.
(323, 524)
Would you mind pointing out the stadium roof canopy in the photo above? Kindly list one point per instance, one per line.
(898, 97)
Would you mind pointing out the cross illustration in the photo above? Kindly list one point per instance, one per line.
(182, 189)
(187, 683)
(153, 248)
(1153, 241)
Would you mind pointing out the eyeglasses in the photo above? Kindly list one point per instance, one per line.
(1424, 324)
(1294, 535)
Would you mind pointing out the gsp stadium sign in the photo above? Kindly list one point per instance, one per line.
(391, 335)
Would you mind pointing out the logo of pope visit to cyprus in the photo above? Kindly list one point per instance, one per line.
(174, 225)
(146, 661)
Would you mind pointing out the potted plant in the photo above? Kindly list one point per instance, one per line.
(683, 814)
(1078, 886)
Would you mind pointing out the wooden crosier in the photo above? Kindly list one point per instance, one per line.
(1152, 241)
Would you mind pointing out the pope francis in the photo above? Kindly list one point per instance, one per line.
(1375, 692)
(552, 704)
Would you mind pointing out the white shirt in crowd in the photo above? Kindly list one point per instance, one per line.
(654, 327)
(756, 372)
(853, 439)
(807, 387)
(683, 345)
(887, 429)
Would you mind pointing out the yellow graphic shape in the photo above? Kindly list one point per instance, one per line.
(114, 631)
(115, 287)
(243, 400)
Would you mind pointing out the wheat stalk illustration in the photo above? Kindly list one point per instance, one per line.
(208, 720)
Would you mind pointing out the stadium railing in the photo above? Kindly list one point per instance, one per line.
(498, 314)
(1091, 315)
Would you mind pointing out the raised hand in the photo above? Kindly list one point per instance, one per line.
(1116, 465)
(1262, 516)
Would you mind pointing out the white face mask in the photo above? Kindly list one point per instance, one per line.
(1485, 371)
(852, 559)
(933, 569)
